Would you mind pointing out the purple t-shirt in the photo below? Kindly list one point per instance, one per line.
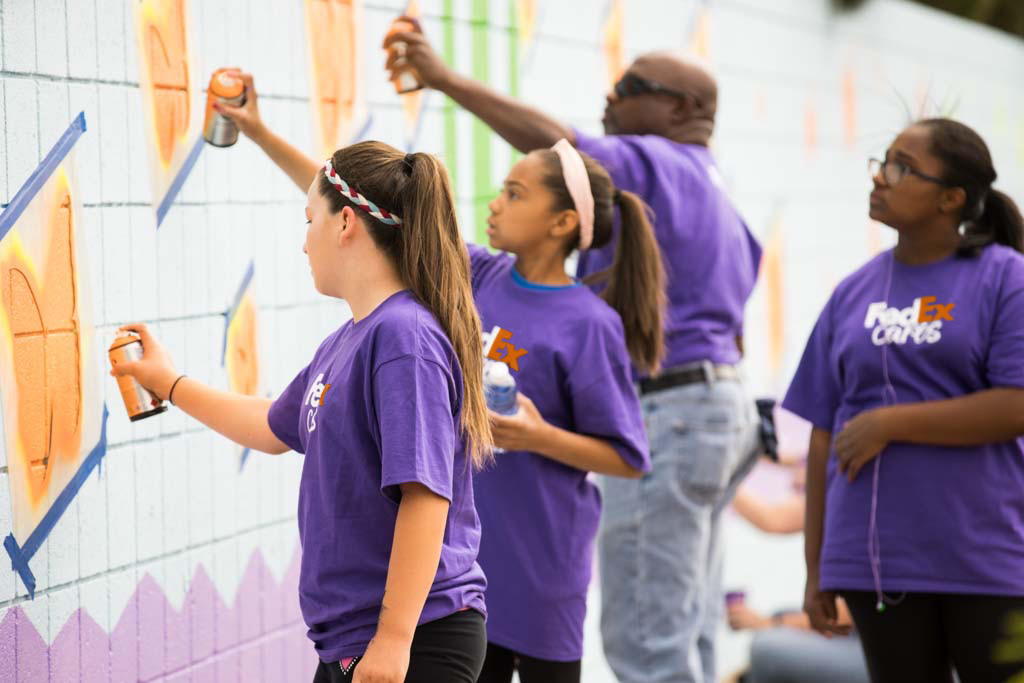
(710, 257)
(379, 406)
(540, 517)
(949, 520)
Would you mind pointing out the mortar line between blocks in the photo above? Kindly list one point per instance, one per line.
(16, 75)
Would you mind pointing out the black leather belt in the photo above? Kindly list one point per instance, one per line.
(688, 374)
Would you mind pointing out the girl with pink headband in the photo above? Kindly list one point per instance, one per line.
(578, 409)
(578, 412)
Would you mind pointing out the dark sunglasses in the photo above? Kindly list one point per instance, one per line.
(631, 85)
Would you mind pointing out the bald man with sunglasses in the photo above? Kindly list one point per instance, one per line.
(659, 548)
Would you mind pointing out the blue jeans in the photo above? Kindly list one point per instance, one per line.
(659, 549)
(783, 655)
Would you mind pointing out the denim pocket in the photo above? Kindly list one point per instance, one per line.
(697, 433)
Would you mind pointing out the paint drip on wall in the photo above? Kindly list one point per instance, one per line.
(338, 104)
(772, 269)
(850, 108)
(613, 42)
(241, 344)
(700, 33)
(412, 102)
(167, 81)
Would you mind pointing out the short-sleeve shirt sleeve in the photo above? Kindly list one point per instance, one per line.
(413, 400)
(482, 263)
(814, 394)
(605, 404)
(1004, 364)
(622, 159)
(284, 414)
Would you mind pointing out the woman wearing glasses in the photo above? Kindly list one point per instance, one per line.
(914, 381)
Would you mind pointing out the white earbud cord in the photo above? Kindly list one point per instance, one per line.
(888, 398)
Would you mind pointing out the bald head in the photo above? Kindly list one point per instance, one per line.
(676, 97)
(680, 72)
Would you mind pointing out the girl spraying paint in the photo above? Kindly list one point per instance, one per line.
(391, 418)
(579, 411)
(915, 513)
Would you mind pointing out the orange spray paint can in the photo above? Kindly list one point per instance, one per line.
(219, 130)
(405, 79)
(127, 347)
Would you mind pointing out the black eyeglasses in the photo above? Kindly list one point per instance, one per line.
(895, 171)
(631, 85)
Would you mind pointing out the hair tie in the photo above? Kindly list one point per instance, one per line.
(979, 208)
(574, 171)
(408, 161)
(383, 215)
(617, 195)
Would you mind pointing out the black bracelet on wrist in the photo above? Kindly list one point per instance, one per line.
(170, 394)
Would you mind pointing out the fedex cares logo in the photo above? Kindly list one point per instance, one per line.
(315, 399)
(921, 322)
(498, 339)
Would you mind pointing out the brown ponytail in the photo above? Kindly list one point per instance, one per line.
(429, 254)
(988, 215)
(999, 221)
(635, 282)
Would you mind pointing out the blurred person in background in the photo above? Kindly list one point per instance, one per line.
(785, 649)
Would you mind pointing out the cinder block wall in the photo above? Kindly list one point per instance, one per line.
(172, 563)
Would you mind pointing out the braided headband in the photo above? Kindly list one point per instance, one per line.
(383, 215)
(578, 182)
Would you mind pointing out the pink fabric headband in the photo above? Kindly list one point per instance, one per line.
(578, 182)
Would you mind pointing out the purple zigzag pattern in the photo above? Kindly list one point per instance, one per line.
(260, 637)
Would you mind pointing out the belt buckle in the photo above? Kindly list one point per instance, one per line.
(707, 368)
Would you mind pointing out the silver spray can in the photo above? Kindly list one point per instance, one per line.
(219, 130)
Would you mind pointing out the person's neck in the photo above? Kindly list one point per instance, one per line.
(371, 293)
(927, 245)
(693, 133)
(543, 269)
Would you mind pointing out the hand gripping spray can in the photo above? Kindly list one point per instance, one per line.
(405, 80)
(219, 130)
(127, 347)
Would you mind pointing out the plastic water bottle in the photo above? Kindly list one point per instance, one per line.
(500, 388)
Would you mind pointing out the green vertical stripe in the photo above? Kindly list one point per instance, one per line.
(448, 53)
(513, 59)
(482, 187)
(513, 50)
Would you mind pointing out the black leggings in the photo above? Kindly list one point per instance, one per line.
(450, 649)
(501, 662)
(928, 634)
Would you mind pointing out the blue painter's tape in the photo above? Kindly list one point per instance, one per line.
(229, 315)
(179, 180)
(245, 456)
(42, 173)
(20, 556)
